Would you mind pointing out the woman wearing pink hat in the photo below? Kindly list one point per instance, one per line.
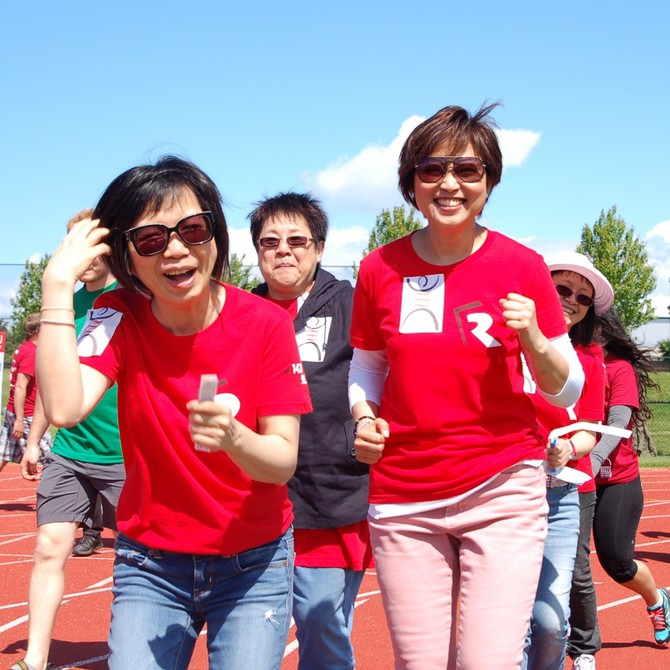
(583, 292)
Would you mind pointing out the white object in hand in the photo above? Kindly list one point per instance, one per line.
(207, 391)
(571, 475)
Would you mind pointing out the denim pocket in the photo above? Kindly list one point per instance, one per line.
(275, 554)
(133, 553)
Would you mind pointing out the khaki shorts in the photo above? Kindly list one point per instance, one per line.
(68, 491)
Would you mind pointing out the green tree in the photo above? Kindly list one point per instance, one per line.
(620, 255)
(389, 226)
(241, 274)
(664, 348)
(28, 299)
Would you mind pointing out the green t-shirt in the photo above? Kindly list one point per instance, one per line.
(96, 438)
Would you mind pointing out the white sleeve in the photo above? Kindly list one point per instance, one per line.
(572, 389)
(367, 373)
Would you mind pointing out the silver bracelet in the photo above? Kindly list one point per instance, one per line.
(367, 419)
(50, 322)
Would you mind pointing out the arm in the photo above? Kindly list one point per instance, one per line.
(57, 361)
(552, 367)
(269, 456)
(619, 416)
(31, 467)
(367, 373)
(20, 394)
(583, 442)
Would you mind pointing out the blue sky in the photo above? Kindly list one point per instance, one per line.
(270, 96)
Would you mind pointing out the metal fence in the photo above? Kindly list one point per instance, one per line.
(658, 427)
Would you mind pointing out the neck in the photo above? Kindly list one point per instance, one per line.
(445, 247)
(192, 317)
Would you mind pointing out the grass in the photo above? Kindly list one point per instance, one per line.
(659, 425)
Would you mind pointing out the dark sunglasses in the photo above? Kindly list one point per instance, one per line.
(295, 241)
(566, 292)
(153, 239)
(466, 169)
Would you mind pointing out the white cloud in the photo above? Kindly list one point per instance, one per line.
(658, 249)
(516, 145)
(345, 246)
(661, 230)
(367, 182)
(241, 245)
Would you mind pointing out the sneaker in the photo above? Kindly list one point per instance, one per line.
(584, 662)
(87, 545)
(660, 619)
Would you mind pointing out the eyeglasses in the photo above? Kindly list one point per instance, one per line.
(193, 230)
(294, 241)
(566, 292)
(466, 169)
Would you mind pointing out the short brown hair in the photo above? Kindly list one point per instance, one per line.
(31, 325)
(452, 128)
(80, 216)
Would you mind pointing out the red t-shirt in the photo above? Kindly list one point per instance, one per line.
(343, 547)
(622, 465)
(589, 407)
(23, 362)
(177, 498)
(454, 396)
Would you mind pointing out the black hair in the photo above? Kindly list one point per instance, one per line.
(292, 205)
(145, 190)
(614, 338)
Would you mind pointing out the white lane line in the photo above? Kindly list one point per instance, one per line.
(623, 601)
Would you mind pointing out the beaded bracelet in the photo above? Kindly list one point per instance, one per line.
(50, 322)
(369, 419)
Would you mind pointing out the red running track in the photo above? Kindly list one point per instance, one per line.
(81, 627)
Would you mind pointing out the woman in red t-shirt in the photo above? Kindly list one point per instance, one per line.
(619, 496)
(440, 320)
(204, 517)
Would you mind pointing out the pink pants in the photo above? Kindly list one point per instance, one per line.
(486, 549)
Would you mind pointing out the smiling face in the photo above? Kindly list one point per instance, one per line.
(573, 311)
(288, 271)
(449, 202)
(180, 275)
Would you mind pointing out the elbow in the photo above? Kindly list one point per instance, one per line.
(285, 475)
(61, 419)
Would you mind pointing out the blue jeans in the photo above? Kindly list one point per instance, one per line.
(548, 633)
(163, 599)
(323, 609)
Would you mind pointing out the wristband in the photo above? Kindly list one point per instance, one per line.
(573, 454)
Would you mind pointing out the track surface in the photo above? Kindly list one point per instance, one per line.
(81, 627)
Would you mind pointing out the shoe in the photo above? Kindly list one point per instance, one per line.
(660, 619)
(584, 662)
(87, 545)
